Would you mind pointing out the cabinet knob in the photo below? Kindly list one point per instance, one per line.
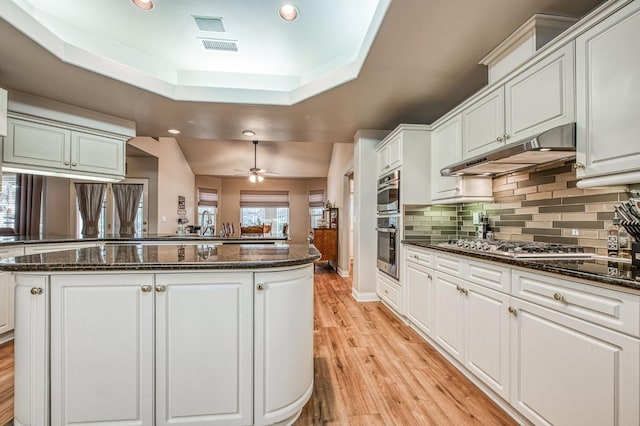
(512, 310)
(416, 257)
(66, 163)
(160, 288)
(464, 291)
(37, 291)
(558, 297)
(429, 276)
(458, 288)
(74, 164)
(146, 288)
(499, 138)
(506, 136)
(260, 286)
(577, 166)
(386, 291)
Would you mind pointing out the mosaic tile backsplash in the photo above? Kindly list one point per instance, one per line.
(537, 204)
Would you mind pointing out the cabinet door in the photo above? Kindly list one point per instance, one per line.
(3, 112)
(394, 152)
(382, 157)
(542, 97)
(569, 372)
(97, 154)
(6, 301)
(102, 344)
(608, 95)
(283, 343)
(446, 148)
(37, 144)
(204, 348)
(486, 345)
(31, 351)
(449, 309)
(419, 282)
(483, 124)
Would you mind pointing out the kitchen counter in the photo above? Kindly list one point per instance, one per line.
(149, 256)
(597, 270)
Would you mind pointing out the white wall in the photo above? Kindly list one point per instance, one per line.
(175, 178)
(365, 195)
(341, 164)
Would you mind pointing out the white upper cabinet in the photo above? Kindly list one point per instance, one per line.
(389, 156)
(608, 97)
(483, 124)
(541, 97)
(53, 147)
(3, 112)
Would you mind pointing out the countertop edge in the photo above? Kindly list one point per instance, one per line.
(613, 282)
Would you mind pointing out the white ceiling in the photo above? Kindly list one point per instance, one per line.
(422, 62)
(161, 50)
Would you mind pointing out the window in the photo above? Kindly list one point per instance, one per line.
(207, 202)
(109, 222)
(8, 201)
(264, 208)
(316, 207)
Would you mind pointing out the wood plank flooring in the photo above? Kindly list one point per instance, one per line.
(370, 369)
(6, 382)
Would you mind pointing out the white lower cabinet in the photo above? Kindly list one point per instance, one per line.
(420, 293)
(283, 344)
(449, 313)
(198, 325)
(566, 371)
(389, 291)
(7, 285)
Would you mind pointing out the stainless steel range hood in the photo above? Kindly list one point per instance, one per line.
(555, 144)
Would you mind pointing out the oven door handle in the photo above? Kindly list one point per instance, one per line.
(383, 188)
(390, 230)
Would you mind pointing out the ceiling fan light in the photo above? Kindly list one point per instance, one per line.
(260, 178)
(143, 4)
(252, 178)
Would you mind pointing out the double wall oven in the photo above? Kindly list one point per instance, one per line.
(387, 224)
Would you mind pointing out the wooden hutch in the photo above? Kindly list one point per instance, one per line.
(326, 238)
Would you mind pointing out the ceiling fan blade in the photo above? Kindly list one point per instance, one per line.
(270, 174)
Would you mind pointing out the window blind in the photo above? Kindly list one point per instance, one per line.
(316, 198)
(207, 197)
(264, 198)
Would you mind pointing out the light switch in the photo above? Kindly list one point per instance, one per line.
(164, 219)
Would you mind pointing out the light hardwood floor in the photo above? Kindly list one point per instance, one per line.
(370, 369)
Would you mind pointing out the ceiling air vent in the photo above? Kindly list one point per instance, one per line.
(206, 23)
(224, 45)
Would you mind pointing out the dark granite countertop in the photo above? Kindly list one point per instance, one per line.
(596, 270)
(166, 257)
(17, 240)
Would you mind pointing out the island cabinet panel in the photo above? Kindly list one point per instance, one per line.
(566, 371)
(102, 349)
(204, 348)
(31, 391)
(283, 364)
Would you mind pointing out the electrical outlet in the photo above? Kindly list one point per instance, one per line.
(575, 232)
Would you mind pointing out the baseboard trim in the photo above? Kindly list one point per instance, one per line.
(342, 272)
(4, 338)
(364, 297)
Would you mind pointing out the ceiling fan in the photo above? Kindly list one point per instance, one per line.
(255, 174)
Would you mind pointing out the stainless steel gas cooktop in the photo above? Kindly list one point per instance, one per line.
(520, 249)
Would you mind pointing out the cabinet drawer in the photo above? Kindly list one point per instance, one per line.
(420, 257)
(612, 309)
(488, 275)
(388, 291)
(449, 264)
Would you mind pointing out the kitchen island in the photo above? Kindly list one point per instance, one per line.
(156, 334)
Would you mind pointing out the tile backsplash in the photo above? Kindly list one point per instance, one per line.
(537, 204)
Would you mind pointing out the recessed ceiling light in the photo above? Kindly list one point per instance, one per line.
(248, 133)
(143, 4)
(174, 131)
(288, 12)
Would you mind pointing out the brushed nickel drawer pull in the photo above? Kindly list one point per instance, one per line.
(512, 310)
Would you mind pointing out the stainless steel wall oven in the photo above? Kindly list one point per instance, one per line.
(389, 193)
(388, 245)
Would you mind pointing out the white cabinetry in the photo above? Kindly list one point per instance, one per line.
(389, 155)
(389, 291)
(51, 247)
(283, 344)
(483, 124)
(420, 290)
(7, 284)
(449, 313)
(446, 149)
(571, 372)
(532, 101)
(408, 148)
(54, 147)
(608, 99)
(3, 112)
(203, 340)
